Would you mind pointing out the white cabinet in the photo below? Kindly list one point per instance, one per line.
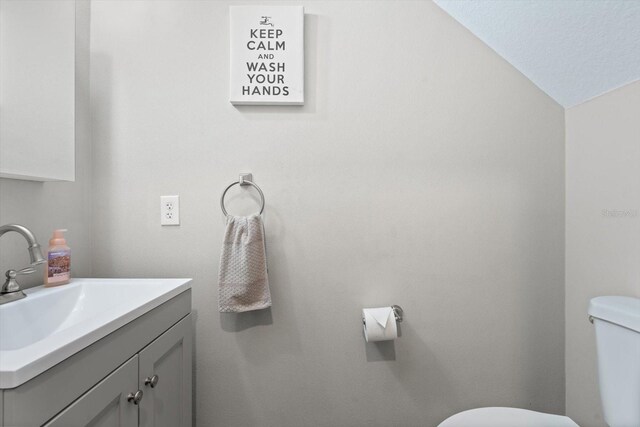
(37, 89)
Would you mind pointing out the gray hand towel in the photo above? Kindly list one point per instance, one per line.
(243, 281)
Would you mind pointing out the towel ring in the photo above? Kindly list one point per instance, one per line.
(244, 182)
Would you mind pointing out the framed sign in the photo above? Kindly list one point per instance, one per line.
(267, 55)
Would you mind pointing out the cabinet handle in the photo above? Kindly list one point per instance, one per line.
(151, 381)
(135, 397)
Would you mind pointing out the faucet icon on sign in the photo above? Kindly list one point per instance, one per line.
(265, 21)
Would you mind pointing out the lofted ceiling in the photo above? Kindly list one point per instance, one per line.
(573, 50)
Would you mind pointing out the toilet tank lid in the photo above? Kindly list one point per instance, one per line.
(623, 311)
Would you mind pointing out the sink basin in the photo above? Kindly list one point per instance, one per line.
(51, 324)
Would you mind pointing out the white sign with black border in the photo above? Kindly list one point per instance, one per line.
(267, 55)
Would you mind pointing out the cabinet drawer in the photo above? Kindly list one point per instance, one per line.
(105, 404)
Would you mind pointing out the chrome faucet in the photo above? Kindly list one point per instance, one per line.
(11, 289)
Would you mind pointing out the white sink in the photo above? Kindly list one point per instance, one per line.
(51, 324)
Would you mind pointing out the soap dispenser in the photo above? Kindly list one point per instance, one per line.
(58, 271)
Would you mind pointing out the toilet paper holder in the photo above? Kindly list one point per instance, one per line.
(398, 313)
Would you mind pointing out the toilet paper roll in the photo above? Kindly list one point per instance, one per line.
(379, 324)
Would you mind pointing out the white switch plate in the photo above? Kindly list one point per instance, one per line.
(169, 210)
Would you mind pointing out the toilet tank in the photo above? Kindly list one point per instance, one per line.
(617, 325)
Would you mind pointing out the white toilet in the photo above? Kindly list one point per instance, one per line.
(617, 323)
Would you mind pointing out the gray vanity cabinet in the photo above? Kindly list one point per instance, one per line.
(165, 379)
(105, 404)
(160, 374)
(96, 386)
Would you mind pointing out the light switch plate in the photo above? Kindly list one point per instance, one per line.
(169, 210)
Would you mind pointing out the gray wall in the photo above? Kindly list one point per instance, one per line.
(423, 171)
(602, 230)
(43, 207)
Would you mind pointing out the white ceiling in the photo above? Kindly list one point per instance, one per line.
(571, 49)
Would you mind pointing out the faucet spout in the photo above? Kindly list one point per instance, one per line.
(35, 254)
(10, 291)
(34, 248)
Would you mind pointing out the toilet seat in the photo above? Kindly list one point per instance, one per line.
(506, 417)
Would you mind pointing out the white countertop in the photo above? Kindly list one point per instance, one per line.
(52, 324)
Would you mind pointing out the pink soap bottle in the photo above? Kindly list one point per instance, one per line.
(58, 271)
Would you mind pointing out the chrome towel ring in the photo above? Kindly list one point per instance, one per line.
(245, 179)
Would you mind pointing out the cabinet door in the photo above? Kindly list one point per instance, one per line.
(37, 100)
(106, 404)
(165, 378)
